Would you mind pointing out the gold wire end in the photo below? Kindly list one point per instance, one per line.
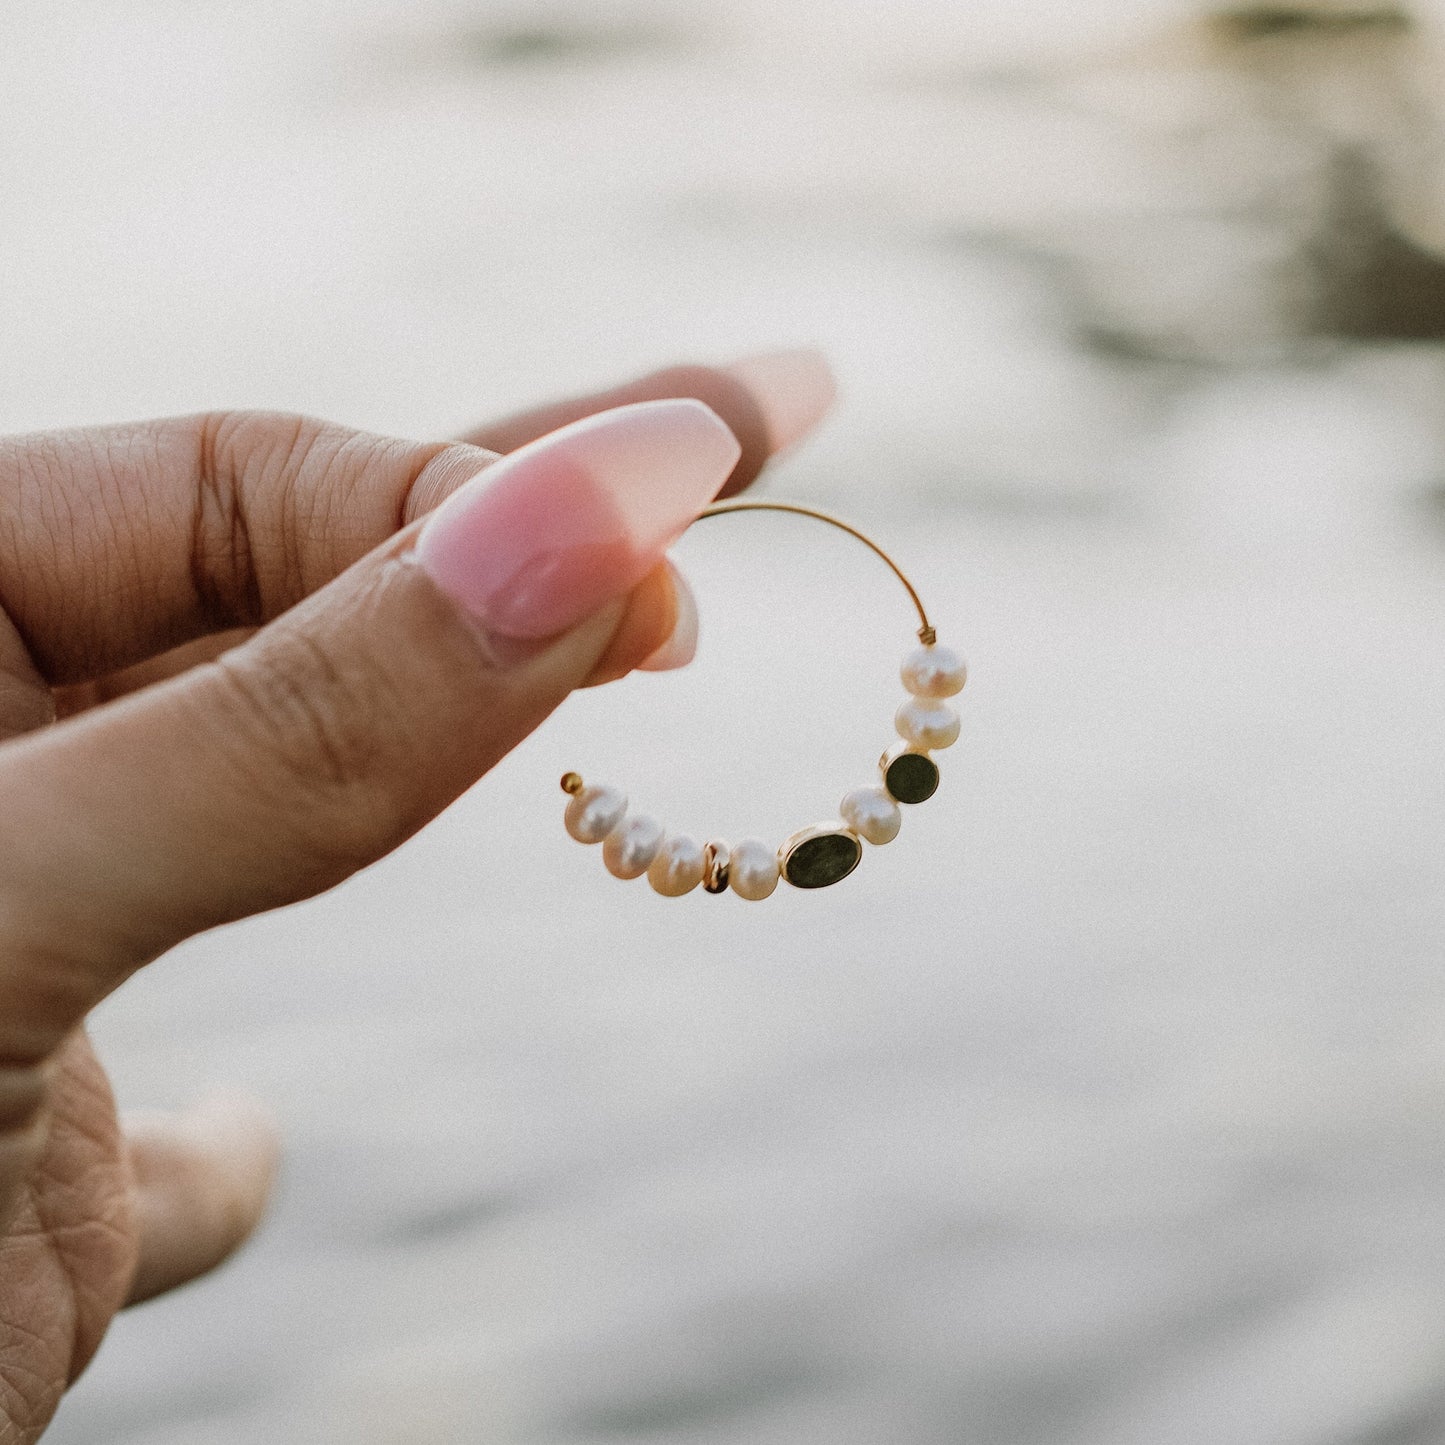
(572, 783)
(927, 636)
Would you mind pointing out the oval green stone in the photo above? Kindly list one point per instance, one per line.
(822, 859)
(911, 778)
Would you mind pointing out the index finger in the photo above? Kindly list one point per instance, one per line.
(120, 543)
(769, 401)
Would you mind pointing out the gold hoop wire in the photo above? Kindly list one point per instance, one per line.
(926, 633)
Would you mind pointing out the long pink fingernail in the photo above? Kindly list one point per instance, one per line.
(559, 528)
(794, 389)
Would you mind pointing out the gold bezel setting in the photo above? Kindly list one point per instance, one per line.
(812, 857)
(909, 774)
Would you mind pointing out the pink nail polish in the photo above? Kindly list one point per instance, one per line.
(681, 647)
(794, 389)
(554, 531)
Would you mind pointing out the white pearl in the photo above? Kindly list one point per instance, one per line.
(927, 723)
(753, 869)
(632, 845)
(594, 813)
(678, 866)
(872, 814)
(934, 672)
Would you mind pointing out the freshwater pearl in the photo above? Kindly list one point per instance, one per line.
(632, 845)
(927, 723)
(872, 814)
(753, 869)
(934, 672)
(595, 812)
(678, 866)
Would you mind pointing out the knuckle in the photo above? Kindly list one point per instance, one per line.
(307, 709)
(240, 455)
(320, 743)
(284, 502)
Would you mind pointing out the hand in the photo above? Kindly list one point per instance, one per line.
(274, 661)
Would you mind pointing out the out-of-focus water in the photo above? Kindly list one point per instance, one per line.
(1108, 1104)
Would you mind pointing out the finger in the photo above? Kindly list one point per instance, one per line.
(120, 543)
(343, 726)
(77, 697)
(770, 401)
(655, 607)
(26, 701)
(202, 1180)
(681, 644)
(124, 542)
(659, 609)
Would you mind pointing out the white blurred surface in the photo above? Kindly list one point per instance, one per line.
(1107, 1104)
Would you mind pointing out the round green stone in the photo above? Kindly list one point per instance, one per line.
(911, 778)
(822, 859)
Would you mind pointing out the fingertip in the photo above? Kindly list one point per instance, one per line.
(658, 632)
(236, 1132)
(768, 400)
(574, 519)
(648, 621)
(203, 1179)
(240, 1126)
(448, 471)
(681, 645)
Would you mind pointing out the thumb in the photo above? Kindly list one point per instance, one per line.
(343, 726)
(201, 1182)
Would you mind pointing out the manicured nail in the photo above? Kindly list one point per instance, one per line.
(554, 531)
(681, 647)
(793, 388)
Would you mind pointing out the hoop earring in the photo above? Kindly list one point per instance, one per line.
(816, 857)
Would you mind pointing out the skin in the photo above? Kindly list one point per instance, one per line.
(211, 655)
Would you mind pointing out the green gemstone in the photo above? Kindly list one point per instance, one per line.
(822, 859)
(911, 778)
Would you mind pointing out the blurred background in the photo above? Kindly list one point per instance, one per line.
(1108, 1104)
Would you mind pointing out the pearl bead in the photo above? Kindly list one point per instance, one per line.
(872, 814)
(678, 866)
(632, 845)
(594, 813)
(753, 869)
(934, 672)
(927, 723)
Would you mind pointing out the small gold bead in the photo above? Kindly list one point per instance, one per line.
(572, 783)
(716, 860)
